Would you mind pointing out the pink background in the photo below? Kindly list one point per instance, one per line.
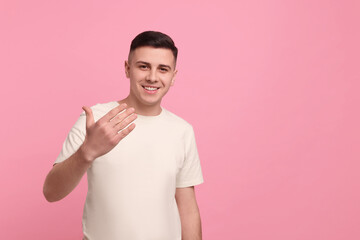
(271, 88)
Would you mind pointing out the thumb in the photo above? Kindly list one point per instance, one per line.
(89, 116)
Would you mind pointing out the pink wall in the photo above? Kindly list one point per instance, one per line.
(271, 88)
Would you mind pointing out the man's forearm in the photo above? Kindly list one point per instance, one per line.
(65, 176)
(191, 226)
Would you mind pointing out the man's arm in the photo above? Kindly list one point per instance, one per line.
(100, 138)
(189, 213)
(65, 176)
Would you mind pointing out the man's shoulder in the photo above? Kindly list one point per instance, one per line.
(177, 120)
(105, 106)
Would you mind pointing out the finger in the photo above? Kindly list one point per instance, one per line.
(125, 122)
(89, 116)
(120, 117)
(123, 133)
(112, 113)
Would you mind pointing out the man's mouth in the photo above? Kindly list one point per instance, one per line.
(150, 89)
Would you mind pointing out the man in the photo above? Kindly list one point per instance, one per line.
(141, 160)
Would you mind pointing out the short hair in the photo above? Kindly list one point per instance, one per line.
(154, 39)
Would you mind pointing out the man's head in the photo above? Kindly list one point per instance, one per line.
(153, 39)
(151, 68)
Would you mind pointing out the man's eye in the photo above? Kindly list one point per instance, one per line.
(143, 67)
(163, 69)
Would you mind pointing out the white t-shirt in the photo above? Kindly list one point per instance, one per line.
(131, 189)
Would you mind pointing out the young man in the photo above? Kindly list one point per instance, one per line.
(141, 160)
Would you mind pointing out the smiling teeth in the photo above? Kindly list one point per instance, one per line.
(150, 88)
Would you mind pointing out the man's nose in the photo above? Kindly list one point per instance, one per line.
(152, 77)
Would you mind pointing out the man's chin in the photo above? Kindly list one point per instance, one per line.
(151, 104)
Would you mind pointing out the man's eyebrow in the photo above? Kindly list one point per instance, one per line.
(161, 65)
(146, 63)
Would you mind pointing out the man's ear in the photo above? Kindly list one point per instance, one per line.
(127, 68)
(173, 78)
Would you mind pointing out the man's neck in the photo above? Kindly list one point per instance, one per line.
(141, 109)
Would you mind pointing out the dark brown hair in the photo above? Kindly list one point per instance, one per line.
(154, 39)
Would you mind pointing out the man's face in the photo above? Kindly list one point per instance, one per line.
(151, 72)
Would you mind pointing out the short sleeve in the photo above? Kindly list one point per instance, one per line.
(74, 139)
(190, 173)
